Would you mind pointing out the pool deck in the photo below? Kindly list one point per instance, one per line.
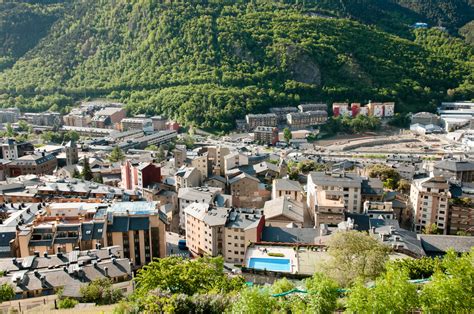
(258, 252)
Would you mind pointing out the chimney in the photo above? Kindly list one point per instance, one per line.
(106, 271)
(43, 280)
(45, 254)
(37, 254)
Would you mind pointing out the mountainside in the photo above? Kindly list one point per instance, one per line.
(208, 63)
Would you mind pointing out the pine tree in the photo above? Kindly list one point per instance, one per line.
(86, 170)
(116, 155)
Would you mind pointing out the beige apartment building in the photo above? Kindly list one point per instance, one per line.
(430, 200)
(265, 119)
(216, 156)
(346, 186)
(287, 188)
(138, 228)
(201, 163)
(213, 231)
(329, 208)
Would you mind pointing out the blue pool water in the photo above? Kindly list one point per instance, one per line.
(271, 264)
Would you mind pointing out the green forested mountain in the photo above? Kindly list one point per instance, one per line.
(209, 62)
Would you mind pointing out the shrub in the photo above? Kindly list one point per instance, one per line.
(276, 254)
(67, 303)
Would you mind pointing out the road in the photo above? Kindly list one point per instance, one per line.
(172, 245)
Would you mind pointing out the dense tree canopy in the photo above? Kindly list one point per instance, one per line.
(206, 63)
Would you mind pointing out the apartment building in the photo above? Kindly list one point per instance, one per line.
(144, 124)
(284, 211)
(287, 188)
(179, 154)
(187, 177)
(328, 208)
(264, 119)
(313, 107)
(216, 156)
(9, 115)
(430, 200)
(9, 149)
(305, 119)
(44, 118)
(282, 112)
(235, 160)
(39, 164)
(43, 274)
(213, 231)
(138, 228)
(461, 170)
(137, 175)
(266, 135)
(159, 123)
(346, 186)
(206, 195)
(201, 163)
(108, 117)
(77, 118)
(461, 218)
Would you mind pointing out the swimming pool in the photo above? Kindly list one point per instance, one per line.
(271, 264)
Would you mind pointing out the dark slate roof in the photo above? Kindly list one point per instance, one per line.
(86, 231)
(41, 242)
(68, 227)
(439, 244)
(289, 235)
(455, 165)
(120, 224)
(139, 223)
(361, 221)
(6, 237)
(372, 186)
(65, 240)
(98, 230)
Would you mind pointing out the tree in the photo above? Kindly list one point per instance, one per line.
(100, 291)
(76, 174)
(392, 293)
(6, 292)
(160, 155)
(116, 155)
(152, 148)
(416, 268)
(431, 229)
(86, 173)
(23, 126)
(176, 275)
(452, 290)
(71, 136)
(9, 130)
(355, 254)
(282, 285)
(323, 294)
(98, 178)
(287, 135)
(255, 300)
(388, 175)
(403, 186)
